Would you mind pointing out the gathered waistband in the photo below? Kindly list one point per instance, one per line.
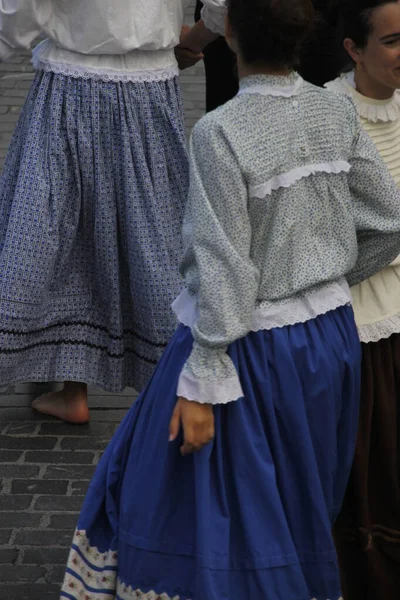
(137, 65)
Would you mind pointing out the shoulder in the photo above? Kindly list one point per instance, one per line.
(218, 124)
(337, 104)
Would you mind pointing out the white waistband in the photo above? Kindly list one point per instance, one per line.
(269, 315)
(136, 66)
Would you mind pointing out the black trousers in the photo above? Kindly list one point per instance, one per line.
(221, 76)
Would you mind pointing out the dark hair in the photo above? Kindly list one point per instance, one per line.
(271, 31)
(357, 19)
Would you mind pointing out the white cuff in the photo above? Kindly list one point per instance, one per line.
(214, 18)
(205, 391)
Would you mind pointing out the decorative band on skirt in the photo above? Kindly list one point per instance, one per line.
(91, 205)
(251, 514)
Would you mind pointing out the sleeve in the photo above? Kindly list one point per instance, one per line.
(376, 209)
(18, 26)
(213, 15)
(218, 265)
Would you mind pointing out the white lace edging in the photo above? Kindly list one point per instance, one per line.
(280, 314)
(382, 330)
(108, 75)
(185, 308)
(384, 111)
(288, 179)
(209, 392)
(287, 91)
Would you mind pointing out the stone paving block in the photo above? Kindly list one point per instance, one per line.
(85, 443)
(65, 521)
(19, 519)
(58, 503)
(46, 538)
(56, 575)
(79, 488)
(8, 555)
(69, 472)
(21, 573)
(27, 442)
(44, 556)
(59, 458)
(21, 414)
(10, 456)
(15, 503)
(41, 591)
(29, 486)
(5, 536)
(20, 429)
(21, 471)
(93, 429)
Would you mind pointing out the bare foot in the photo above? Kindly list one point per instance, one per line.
(69, 405)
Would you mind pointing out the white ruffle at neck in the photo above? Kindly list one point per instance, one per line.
(384, 111)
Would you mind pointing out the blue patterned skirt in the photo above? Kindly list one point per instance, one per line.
(249, 516)
(91, 206)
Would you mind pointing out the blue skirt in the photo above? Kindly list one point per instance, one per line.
(92, 197)
(249, 516)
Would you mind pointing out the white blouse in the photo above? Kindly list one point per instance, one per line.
(277, 218)
(376, 300)
(118, 40)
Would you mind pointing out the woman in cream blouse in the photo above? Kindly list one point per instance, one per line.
(368, 530)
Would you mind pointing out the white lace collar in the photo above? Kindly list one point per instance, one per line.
(268, 85)
(368, 108)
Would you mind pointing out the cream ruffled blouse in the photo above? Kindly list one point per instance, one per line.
(377, 299)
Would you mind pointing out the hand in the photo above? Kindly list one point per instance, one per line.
(197, 421)
(185, 56)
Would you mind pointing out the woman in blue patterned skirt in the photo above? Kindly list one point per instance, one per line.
(91, 197)
(226, 476)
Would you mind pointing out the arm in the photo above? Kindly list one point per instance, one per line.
(213, 15)
(376, 209)
(208, 29)
(218, 266)
(18, 26)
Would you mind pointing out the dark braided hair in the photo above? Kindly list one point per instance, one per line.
(323, 56)
(271, 31)
(356, 19)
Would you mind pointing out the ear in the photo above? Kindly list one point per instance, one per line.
(354, 52)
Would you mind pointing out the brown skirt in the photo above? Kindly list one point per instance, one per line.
(368, 530)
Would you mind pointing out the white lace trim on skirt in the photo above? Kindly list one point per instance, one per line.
(382, 330)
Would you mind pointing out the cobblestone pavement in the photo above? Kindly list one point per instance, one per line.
(45, 466)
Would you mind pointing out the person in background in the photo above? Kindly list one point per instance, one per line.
(91, 198)
(227, 474)
(221, 70)
(323, 55)
(368, 529)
